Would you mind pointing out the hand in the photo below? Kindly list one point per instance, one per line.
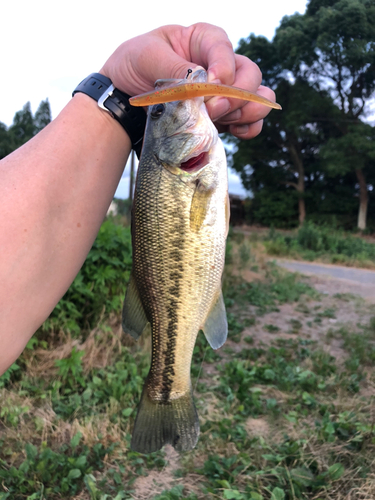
(169, 51)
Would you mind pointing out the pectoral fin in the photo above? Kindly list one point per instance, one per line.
(134, 320)
(199, 207)
(227, 214)
(216, 326)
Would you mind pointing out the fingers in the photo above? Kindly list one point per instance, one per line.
(211, 48)
(169, 51)
(139, 62)
(208, 46)
(248, 77)
(246, 122)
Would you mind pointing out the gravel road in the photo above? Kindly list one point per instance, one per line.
(336, 279)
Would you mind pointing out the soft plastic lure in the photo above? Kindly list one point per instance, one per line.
(184, 91)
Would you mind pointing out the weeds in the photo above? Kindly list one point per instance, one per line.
(312, 242)
(49, 474)
(283, 416)
(279, 287)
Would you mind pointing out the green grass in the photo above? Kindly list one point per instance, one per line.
(277, 288)
(283, 416)
(311, 242)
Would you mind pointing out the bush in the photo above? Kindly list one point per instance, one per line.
(273, 208)
(99, 288)
(312, 241)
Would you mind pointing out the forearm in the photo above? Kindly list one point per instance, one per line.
(54, 192)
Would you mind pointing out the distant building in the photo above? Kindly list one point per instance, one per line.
(112, 209)
(237, 210)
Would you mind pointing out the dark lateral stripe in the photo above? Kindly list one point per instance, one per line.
(172, 306)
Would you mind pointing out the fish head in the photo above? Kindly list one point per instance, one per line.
(180, 134)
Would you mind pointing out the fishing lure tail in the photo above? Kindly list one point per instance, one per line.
(159, 423)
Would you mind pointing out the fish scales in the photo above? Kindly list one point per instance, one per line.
(183, 270)
(179, 230)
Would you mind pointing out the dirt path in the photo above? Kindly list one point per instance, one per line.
(335, 279)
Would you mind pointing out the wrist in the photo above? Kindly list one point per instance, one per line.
(133, 120)
(86, 102)
(94, 126)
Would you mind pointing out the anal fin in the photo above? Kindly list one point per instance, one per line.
(216, 325)
(134, 320)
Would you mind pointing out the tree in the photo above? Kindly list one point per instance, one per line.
(285, 155)
(332, 47)
(5, 146)
(24, 127)
(42, 115)
(354, 151)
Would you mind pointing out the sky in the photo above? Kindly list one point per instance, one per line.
(47, 47)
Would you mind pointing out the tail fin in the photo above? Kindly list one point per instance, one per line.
(158, 423)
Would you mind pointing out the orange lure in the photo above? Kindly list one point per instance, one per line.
(184, 91)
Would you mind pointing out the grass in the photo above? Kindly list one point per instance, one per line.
(311, 242)
(286, 407)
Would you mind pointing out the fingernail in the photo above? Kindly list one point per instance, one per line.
(212, 78)
(232, 117)
(241, 129)
(220, 107)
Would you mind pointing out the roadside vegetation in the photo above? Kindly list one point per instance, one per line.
(324, 243)
(286, 406)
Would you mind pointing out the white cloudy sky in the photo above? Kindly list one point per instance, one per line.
(48, 47)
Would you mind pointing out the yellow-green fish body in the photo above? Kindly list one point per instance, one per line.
(179, 229)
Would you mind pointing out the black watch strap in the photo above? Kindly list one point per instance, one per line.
(132, 119)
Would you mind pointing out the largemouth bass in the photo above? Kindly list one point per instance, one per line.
(179, 227)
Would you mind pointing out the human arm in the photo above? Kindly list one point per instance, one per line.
(55, 190)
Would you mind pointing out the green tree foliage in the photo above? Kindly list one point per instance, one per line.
(317, 152)
(42, 115)
(24, 127)
(332, 46)
(5, 145)
(280, 163)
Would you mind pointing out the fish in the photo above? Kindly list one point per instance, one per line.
(180, 221)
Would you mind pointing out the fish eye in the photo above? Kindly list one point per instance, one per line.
(157, 110)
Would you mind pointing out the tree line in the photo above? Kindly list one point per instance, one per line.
(316, 158)
(25, 125)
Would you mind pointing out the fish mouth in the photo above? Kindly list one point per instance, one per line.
(195, 163)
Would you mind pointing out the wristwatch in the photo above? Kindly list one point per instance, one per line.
(116, 103)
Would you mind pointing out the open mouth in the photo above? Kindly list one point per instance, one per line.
(195, 163)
